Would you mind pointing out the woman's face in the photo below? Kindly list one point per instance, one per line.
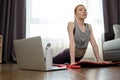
(81, 12)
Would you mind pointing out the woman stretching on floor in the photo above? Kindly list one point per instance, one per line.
(80, 34)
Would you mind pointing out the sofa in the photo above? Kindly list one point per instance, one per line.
(111, 44)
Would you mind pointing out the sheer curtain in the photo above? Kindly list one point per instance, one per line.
(49, 18)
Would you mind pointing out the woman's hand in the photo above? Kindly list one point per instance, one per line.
(100, 61)
(74, 63)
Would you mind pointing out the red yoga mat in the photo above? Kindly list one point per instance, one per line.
(96, 64)
(80, 64)
(73, 66)
(68, 66)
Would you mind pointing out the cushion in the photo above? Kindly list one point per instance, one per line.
(111, 45)
(116, 29)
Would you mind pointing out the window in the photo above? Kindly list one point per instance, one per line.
(49, 18)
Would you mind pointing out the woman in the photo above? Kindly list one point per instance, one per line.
(80, 34)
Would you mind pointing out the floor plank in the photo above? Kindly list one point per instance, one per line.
(11, 72)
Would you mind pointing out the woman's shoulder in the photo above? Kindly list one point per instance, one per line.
(70, 24)
(88, 25)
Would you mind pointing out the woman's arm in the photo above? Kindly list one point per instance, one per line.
(94, 45)
(70, 29)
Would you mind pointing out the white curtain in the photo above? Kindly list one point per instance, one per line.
(49, 18)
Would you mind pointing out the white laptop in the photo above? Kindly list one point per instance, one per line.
(30, 55)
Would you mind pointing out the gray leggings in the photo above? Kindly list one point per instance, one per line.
(64, 57)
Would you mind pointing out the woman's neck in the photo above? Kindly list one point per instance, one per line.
(80, 22)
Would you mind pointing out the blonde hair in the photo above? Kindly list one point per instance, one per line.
(75, 10)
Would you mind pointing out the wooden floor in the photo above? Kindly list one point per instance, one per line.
(11, 72)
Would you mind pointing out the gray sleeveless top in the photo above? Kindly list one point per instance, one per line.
(81, 38)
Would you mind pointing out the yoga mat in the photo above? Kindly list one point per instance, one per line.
(73, 66)
(81, 64)
(68, 66)
(96, 64)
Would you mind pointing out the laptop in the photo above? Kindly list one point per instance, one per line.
(30, 55)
